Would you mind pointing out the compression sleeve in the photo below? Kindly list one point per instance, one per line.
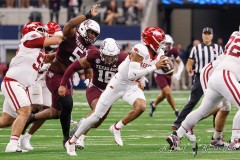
(75, 66)
(135, 71)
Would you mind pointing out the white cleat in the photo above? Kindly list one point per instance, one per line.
(117, 135)
(14, 148)
(24, 143)
(70, 149)
(80, 143)
(235, 145)
(190, 136)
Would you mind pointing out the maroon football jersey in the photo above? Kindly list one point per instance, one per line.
(172, 54)
(102, 72)
(72, 49)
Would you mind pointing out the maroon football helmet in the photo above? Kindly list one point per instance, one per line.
(154, 37)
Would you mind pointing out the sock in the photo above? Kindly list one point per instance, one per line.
(14, 140)
(82, 137)
(217, 134)
(235, 134)
(119, 125)
(28, 136)
(181, 132)
(65, 116)
(154, 105)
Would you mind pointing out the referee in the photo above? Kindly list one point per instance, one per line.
(200, 55)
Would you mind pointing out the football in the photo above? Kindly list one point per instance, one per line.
(169, 69)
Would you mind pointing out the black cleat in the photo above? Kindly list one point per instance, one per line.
(152, 109)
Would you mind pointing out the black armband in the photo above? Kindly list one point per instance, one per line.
(88, 15)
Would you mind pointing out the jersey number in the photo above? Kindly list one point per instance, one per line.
(76, 54)
(36, 66)
(105, 76)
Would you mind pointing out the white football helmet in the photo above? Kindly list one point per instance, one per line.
(89, 25)
(109, 51)
(169, 40)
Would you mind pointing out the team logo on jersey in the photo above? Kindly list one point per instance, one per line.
(50, 74)
(97, 60)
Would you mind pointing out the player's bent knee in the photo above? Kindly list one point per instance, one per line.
(140, 105)
(24, 111)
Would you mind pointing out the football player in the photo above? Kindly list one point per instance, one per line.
(164, 80)
(29, 58)
(223, 83)
(145, 57)
(39, 93)
(76, 42)
(104, 63)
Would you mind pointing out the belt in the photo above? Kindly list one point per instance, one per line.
(8, 79)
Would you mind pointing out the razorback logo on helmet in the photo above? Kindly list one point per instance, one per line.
(135, 49)
(157, 33)
(31, 25)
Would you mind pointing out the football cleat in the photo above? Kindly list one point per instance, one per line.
(24, 143)
(190, 135)
(117, 135)
(235, 145)
(218, 142)
(173, 141)
(152, 109)
(14, 148)
(70, 148)
(80, 143)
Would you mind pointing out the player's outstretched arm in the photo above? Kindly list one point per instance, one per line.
(70, 27)
(75, 66)
(54, 40)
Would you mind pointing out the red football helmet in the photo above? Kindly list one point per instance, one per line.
(33, 26)
(154, 37)
(51, 28)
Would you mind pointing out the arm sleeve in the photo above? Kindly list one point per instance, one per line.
(135, 71)
(75, 66)
(35, 43)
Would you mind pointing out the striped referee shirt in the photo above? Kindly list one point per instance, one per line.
(203, 54)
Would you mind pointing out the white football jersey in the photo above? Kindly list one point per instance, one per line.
(231, 61)
(142, 50)
(25, 65)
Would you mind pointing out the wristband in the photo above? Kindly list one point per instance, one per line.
(88, 15)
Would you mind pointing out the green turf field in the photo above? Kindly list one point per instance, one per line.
(144, 139)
